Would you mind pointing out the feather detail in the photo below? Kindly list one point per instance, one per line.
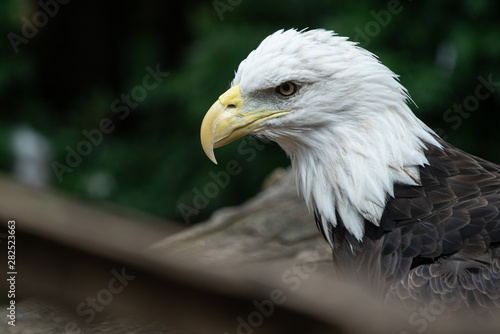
(416, 217)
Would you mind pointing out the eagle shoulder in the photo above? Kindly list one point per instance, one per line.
(437, 240)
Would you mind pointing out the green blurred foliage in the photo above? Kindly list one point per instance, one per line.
(66, 78)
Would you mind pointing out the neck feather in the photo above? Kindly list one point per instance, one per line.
(354, 169)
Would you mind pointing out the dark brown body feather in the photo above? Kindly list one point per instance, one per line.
(436, 242)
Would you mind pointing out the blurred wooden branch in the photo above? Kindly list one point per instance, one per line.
(258, 268)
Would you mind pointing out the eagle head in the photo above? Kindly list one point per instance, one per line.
(338, 113)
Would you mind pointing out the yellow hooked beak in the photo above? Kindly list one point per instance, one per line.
(225, 122)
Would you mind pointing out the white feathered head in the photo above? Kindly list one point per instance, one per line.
(340, 115)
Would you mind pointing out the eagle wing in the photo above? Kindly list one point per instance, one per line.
(439, 241)
(451, 225)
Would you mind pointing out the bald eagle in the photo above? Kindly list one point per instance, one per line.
(399, 206)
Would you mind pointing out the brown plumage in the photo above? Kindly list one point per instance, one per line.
(437, 241)
(403, 210)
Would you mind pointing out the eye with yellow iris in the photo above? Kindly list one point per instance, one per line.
(287, 88)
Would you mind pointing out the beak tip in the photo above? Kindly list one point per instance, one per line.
(213, 159)
(209, 152)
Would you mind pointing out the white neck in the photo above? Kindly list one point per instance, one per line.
(351, 135)
(354, 169)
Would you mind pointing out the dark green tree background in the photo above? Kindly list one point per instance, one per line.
(68, 65)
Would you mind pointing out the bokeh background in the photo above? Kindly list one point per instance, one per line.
(65, 64)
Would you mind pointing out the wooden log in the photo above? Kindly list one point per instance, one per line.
(258, 268)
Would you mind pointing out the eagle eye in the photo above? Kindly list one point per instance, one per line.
(287, 88)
